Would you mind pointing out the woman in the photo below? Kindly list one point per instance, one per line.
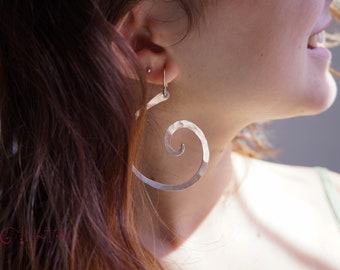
(88, 90)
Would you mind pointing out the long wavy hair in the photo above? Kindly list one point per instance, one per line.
(68, 135)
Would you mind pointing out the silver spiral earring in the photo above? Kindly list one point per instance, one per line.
(161, 97)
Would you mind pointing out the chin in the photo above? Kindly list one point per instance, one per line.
(314, 99)
(323, 96)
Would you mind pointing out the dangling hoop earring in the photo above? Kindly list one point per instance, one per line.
(161, 97)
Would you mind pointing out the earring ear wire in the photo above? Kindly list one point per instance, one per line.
(165, 85)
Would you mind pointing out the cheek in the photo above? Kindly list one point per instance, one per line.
(273, 52)
(269, 63)
(260, 45)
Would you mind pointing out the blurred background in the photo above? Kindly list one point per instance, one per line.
(311, 140)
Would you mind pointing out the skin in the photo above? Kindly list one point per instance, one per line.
(246, 62)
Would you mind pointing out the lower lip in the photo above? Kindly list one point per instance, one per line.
(323, 54)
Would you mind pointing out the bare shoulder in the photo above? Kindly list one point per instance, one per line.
(290, 174)
(300, 176)
(290, 202)
(305, 182)
(285, 182)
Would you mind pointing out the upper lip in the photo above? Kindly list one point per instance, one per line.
(321, 28)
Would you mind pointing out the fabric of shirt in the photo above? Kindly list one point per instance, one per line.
(331, 194)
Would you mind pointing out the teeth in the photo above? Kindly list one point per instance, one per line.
(317, 40)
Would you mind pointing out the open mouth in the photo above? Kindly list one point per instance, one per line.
(317, 40)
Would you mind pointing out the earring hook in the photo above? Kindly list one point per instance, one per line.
(165, 85)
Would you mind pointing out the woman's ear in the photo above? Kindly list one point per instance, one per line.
(138, 29)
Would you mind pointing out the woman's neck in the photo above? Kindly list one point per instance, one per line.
(180, 213)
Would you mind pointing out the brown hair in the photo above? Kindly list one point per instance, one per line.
(68, 136)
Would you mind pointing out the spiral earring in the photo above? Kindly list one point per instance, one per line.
(183, 124)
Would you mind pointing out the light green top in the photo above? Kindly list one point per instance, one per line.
(331, 194)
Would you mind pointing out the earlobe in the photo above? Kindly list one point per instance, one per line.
(154, 64)
(136, 28)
